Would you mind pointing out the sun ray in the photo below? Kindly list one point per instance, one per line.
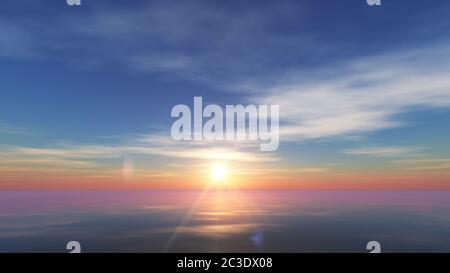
(186, 218)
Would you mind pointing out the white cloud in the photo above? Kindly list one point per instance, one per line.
(89, 157)
(361, 95)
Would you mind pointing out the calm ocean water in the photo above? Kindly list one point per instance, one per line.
(224, 221)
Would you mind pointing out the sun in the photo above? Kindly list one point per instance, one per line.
(219, 172)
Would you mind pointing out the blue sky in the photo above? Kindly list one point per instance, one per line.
(358, 86)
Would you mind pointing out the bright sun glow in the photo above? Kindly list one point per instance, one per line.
(219, 172)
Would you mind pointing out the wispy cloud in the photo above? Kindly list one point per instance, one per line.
(14, 130)
(157, 38)
(166, 148)
(361, 95)
(424, 163)
(90, 159)
(15, 42)
(383, 151)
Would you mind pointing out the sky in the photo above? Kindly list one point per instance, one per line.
(86, 92)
